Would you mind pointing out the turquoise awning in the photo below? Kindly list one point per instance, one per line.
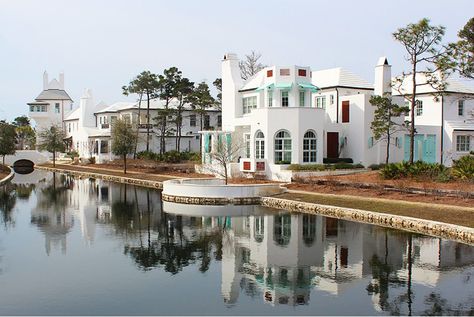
(283, 85)
(308, 86)
(269, 86)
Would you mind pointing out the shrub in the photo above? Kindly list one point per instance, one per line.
(328, 160)
(464, 167)
(417, 169)
(172, 157)
(148, 155)
(376, 167)
(72, 154)
(307, 167)
(91, 160)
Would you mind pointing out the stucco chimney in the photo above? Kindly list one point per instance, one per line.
(231, 83)
(383, 77)
(61, 80)
(45, 80)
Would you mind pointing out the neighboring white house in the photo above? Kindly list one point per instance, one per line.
(88, 126)
(52, 105)
(292, 115)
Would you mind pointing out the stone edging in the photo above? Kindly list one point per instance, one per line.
(8, 177)
(428, 227)
(110, 178)
(211, 200)
(422, 226)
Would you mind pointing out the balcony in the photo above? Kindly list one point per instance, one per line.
(105, 125)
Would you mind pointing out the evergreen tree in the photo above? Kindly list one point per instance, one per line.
(422, 42)
(52, 140)
(202, 100)
(7, 140)
(383, 126)
(123, 140)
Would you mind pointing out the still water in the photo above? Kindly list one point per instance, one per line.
(88, 247)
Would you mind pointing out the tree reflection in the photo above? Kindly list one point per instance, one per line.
(8, 198)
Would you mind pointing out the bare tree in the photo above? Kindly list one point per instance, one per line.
(250, 65)
(224, 152)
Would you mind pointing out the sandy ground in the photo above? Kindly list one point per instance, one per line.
(4, 171)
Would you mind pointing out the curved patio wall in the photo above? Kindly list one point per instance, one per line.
(211, 191)
(8, 177)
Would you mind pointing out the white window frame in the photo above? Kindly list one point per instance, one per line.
(247, 144)
(321, 102)
(463, 143)
(285, 94)
(302, 98)
(259, 145)
(419, 108)
(249, 103)
(461, 108)
(270, 98)
(283, 147)
(310, 147)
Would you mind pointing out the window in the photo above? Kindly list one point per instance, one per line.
(207, 121)
(398, 143)
(219, 121)
(302, 98)
(309, 147)
(460, 107)
(104, 146)
(285, 72)
(302, 72)
(270, 73)
(32, 108)
(419, 108)
(463, 143)
(247, 145)
(283, 147)
(345, 111)
(192, 120)
(321, 102)
(249, 103)
(309, 229)
(284, 99)
(69, 127)
(259, 145)
(56, 108)
(282, 229)
(259, 228)
(270, 98)
(113, 119)
(331, 99)
(370, 142)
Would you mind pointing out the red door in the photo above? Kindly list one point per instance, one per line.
(332, 145)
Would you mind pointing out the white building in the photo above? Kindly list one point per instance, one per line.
(88, 126)
(292, 115)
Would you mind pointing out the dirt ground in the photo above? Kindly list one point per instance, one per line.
(373, 177)
(4, 171)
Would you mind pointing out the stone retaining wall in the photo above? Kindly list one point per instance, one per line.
(8, 177)
(427, 227)
(211, 200)
(110, 178)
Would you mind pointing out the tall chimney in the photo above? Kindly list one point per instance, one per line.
(45, 80)
(61, 80)
(383, 77)
(231, 83)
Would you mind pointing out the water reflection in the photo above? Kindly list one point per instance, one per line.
(275, 258)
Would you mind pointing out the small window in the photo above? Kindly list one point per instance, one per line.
(207, 122)
(56, 108)
(284, 99)
(259, 145)
(104, 147)
(270, 98)
(249, 103)
(371, 142)
(285, 72)
(192, 120)
(461, 108)
(309, 147)
(331, 99)
(321, 102)
(32, 108)
(247, 145)
(463, 143)
(270, 73)
(219, 121)
(302, 93)
(302, 72)
(419, 108)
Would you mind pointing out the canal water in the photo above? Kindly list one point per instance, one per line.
(88, 247)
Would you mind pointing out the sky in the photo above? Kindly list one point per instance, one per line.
(102, 45)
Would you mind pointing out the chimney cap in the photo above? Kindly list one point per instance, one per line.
(382, 61)
(231, 56)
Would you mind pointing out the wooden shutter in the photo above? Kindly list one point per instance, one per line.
(345, 111)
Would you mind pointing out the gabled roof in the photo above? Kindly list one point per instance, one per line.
(73, 115)
(339, 77)
(453, 85)
(53, 94)
(115, 107)
(255, 81)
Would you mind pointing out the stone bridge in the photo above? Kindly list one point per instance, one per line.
(33, 156)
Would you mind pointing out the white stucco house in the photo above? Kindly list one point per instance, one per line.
(88, 125)
(292, 115)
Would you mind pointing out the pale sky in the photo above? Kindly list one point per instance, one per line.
(102, 45)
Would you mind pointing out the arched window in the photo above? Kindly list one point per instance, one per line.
(282, 147)
(282, 229)
(309, 229)
(309, 147)
(259, 145)
(259, 228)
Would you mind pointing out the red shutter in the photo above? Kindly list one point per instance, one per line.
(270, 73)
(246, 166)
(345, 111)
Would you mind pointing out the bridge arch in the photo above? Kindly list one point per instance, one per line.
(23, 166)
